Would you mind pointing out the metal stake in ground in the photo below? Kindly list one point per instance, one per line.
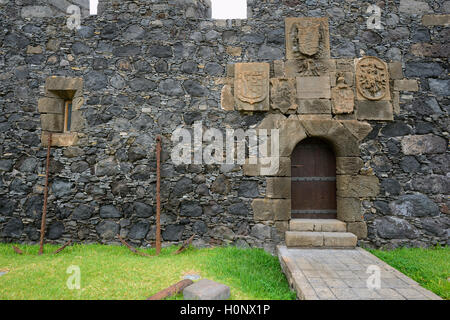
(44, 210)
(158, 195)
(131, 248)
(172, 290)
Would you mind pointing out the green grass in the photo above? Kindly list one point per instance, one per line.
(113, 272)
(429, 267)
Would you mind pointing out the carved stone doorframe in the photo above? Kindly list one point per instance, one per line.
(352, 185)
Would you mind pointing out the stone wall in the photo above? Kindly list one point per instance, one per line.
(151, 66)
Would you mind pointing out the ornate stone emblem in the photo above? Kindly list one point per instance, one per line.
(307, 37)
(343, 97)
(307, 41)
(372, 78)
(252, 86)
(308, 67)
(283, 94)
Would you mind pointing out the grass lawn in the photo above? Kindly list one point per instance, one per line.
(429, 267)
(113, 272)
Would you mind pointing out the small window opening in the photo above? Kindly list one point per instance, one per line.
(67, 115)
(93, 5)
(229, 9)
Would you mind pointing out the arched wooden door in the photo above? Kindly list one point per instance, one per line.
(313, 183)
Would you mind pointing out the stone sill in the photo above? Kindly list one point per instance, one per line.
(60, 139)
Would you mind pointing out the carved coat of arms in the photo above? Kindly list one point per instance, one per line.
(252, 86)
(343, 97)
(307, 38)
(307, 42)
(283, 94)
(372, 78)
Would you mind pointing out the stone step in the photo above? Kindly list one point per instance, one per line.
(313, 239)
(320, 225)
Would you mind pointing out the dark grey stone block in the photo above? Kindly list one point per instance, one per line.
(206, 290)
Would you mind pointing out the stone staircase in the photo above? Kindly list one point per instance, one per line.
(319, 233)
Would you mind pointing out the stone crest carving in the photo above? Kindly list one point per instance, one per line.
(372, 79)
(307, 41)
(251, 87)
(306, 37)
(283, 94)
(343, 97)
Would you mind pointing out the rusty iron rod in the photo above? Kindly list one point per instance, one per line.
(172, 290)
(17, 250)
(158, 195)
(131, 248)
(44, 209)
(185, 245)
(68, 243)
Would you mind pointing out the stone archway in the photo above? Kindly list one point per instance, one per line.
(351, 185)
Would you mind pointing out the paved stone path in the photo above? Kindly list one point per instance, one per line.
(341, 274)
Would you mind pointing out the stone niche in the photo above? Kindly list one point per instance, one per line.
(311, 95)
(58, 91)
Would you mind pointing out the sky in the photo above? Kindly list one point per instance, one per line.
(229, 9)
(93, 4)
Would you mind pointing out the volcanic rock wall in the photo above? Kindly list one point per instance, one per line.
(148, 67)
